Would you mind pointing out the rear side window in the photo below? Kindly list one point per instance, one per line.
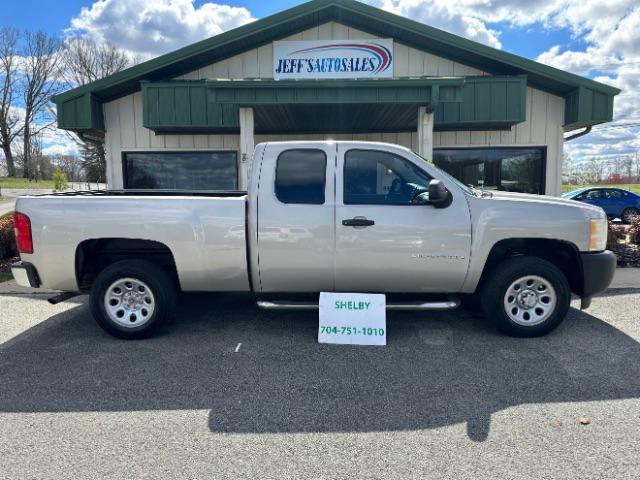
(301, 176)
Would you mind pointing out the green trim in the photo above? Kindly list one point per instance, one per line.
(201, 106)
(175, 105)
(81, 113)
(316, 12)
(488, 101)
(585, 106)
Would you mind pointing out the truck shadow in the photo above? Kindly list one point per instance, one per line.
(437, 370)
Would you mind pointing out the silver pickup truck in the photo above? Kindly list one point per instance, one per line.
(319, 216)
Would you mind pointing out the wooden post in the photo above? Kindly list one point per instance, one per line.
(247, 144)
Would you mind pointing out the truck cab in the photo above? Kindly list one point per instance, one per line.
(354, 217)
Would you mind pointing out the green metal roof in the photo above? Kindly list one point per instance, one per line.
(317, 12)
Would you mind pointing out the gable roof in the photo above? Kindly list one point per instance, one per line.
(349, 12)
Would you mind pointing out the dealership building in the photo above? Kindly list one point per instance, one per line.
(342, 70)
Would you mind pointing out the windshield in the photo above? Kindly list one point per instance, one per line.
(450, 177)
(573, 193)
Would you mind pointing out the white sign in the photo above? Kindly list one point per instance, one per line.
(319, 59)
(352, 318)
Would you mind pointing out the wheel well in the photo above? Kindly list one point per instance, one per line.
(93, 256)
(563, 255)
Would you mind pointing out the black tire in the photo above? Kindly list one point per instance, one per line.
(158, 281)
(628, 214)
(504, 275)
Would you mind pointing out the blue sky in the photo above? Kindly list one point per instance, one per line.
(39, 15)
(575, 35)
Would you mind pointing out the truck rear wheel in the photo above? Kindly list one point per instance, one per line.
(526, 296)
(132, 299)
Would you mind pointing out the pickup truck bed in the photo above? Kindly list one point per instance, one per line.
(204, 231)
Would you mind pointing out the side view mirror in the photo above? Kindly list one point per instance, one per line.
(436, 195)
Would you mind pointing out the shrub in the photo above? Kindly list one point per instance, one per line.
(8, 247)
(634, 231)
(614, 234)
(59, 180)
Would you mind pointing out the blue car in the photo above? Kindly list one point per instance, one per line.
(616, 202)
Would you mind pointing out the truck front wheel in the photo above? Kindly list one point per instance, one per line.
(132, 299)
(526, 296)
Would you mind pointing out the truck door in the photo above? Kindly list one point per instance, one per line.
(295, 218)
(384, 243)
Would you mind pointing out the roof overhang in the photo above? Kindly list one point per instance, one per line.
(308, 106)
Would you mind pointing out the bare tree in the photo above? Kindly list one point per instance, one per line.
(41, 166)
(70, 165)
(596, 169)
(86, 61)
(10, 125)
(627, 164)
(41, 80)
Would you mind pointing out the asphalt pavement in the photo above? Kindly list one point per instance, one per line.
(229, 391)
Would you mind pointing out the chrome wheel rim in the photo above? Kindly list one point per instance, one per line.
(129, 302)
(530, 300)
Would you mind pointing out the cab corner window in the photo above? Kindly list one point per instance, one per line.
(301, 176)
(373, 177)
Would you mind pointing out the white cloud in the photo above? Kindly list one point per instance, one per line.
(444, 15)
(58, 142)
(147, 28)
(613, 56)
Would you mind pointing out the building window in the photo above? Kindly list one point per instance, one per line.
(181, 170)
(508, 169)
(301, 176)
(374, 177)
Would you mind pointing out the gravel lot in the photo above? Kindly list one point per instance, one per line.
(447, 398)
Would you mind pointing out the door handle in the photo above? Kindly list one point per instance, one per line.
(358, 222)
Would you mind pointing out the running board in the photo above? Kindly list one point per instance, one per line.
(433, 306)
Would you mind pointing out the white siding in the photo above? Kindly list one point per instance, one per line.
(258, 63)
(125, 133)
(542, 127)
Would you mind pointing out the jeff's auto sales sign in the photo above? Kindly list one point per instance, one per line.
(316, 59)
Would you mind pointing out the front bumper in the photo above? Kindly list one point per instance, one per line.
(25, 274)
(597, 272)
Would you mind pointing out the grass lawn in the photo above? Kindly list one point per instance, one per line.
(15, 182)
(632, 187)
(4, 276)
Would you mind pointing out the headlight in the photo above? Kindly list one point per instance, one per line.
(598, 235)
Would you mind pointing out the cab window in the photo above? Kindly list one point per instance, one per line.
(373, 177)
(301, 176)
